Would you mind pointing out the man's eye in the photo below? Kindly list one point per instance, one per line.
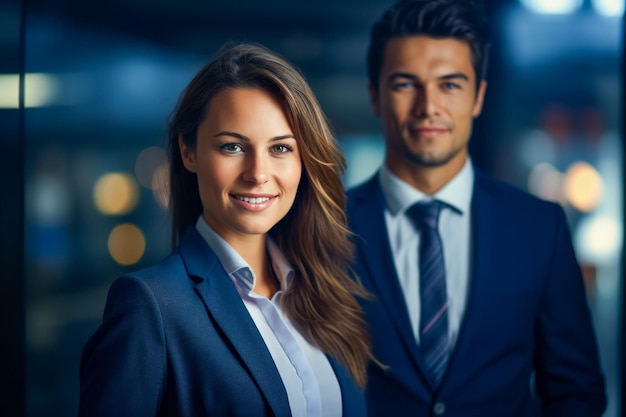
(402, 86)
(451, 86)
(231, 147)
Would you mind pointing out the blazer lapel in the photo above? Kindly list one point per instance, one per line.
(487, 225)
(224, 304)
(368, 221)
(352, 398)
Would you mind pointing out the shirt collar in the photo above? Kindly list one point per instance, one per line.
(236, 267)
(399, 195)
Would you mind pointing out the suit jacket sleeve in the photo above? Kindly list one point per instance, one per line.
(568, 379)
(123, 367)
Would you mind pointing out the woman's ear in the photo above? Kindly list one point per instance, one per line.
(187, 154)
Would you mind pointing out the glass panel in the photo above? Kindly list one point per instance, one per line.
(12, 362)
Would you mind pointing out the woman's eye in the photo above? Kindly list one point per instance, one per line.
(231, 147)
(281, 148)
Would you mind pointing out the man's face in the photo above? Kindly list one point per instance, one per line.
(427, 100)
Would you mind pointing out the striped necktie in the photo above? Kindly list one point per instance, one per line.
(434, 340)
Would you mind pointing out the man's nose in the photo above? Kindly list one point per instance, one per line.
(426, 103)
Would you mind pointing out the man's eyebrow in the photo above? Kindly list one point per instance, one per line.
(455, 76)
(405, 75)
(393, 76)
(247, 139)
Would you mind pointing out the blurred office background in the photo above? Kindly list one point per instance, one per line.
(83, 151)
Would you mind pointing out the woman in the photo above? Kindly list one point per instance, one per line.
(254, 313)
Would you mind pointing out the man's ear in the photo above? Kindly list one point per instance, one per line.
(480, 98)
(187, 154)
(373, 99)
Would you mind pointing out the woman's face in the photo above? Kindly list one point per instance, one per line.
(247, 163)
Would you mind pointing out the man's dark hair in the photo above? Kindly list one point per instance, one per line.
(465, 20)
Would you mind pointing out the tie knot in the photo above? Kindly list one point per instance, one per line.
(425, 214)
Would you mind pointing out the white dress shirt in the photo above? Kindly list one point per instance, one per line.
(454, 229)
(311, 385)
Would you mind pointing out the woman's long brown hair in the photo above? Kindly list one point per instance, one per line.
(313, 235)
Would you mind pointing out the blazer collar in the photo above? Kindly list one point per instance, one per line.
(220, 297)
(399, 195)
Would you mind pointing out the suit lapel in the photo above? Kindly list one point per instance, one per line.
(352, 398)
(487, 225)
(224, 304)
(368, 221)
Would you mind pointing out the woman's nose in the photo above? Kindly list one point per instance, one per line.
(256, 169)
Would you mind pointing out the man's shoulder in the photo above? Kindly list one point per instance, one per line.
(363, 195)
(363, 189)
(484, 185)
(509, 194)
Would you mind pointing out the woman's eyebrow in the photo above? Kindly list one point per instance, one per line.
(247, 139)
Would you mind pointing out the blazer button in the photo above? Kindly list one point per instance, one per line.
(439, 409)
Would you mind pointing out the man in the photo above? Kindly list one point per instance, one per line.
(479, 306)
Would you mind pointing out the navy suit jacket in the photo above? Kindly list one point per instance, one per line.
(177, 340)
(526, 317)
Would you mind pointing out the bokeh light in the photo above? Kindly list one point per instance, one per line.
(39, 90)
(51, 200)
(599, 239)
(116, 193)
(160, 185)
(537, 147)
(147, 163)
(609, 7)
(552, 6)
(583, 186)
(546, 182)
(127, 244)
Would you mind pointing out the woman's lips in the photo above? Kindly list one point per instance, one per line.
(253, 202)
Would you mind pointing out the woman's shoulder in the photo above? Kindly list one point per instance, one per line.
(166, 275)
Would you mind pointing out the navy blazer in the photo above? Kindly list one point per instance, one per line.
(177, 340)
(526, 346)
